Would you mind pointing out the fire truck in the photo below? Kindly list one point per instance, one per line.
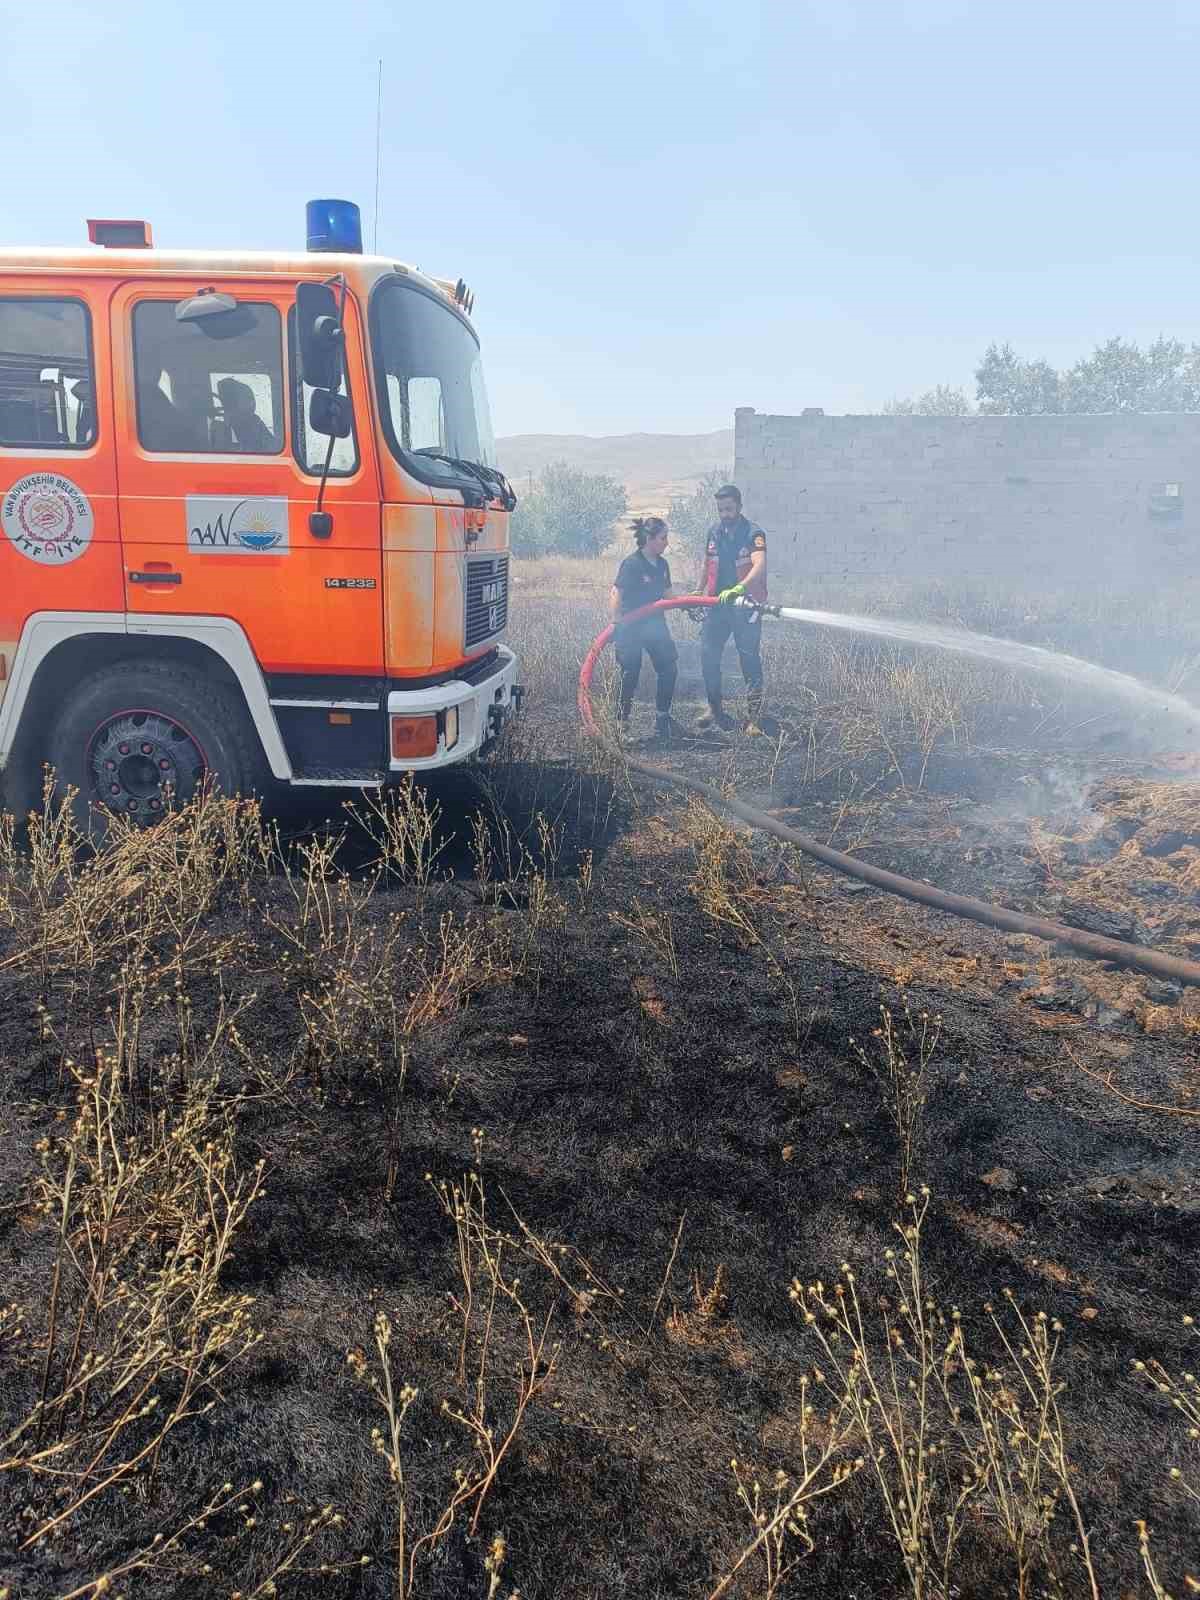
(252, 523)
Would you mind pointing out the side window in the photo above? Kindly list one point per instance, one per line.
(47, 376)
(209, 385)
(311, 448)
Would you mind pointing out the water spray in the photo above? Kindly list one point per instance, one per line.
(1092, 945)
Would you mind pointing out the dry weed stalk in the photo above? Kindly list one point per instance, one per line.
(725, 885)
(1182, 1393)
(460, 959)
(1025, 1402)
(302, 1530)
(488, 1305)
(930, 700)
(891, 1399)
(487, 1287)
(655, 929)
(586, 880)
(139, 1329)
(396, 1405)
(511, 871)
(823, 1468)
(163, 1546)
(900, 1065)
(940, 1431)
(701, 1322)
(403, 821)
(392, 1170)
(342, 959)
(79, 907)
(1105, 1080)
(326, 906)
(594, 1300)
(1148, 1566)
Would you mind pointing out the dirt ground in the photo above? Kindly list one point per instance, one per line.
(580, 1183)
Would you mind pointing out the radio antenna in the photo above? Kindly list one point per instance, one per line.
(378, 150)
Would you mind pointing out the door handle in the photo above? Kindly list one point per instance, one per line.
(156, 573)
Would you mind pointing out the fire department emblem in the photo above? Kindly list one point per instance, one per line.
(48, 518)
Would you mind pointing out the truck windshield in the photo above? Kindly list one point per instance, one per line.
(430, 379)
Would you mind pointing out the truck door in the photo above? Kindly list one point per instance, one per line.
(59, 548)
(218, 474)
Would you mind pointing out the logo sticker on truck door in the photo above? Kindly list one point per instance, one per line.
(225, 526)
(48, 518)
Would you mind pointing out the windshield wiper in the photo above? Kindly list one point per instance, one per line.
(495, 484)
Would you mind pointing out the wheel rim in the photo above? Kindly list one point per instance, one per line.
(139, 761)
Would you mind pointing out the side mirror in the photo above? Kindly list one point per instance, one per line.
(329, 413)
(319, 335)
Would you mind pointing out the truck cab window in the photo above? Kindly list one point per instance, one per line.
(430, 382)
(417, 406)
(311, 448)
(209, 386)
(47, 380)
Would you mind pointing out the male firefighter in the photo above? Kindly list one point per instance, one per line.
(735, 564)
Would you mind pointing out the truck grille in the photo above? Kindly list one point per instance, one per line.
(487, 599)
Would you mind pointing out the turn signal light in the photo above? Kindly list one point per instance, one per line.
(413, 736)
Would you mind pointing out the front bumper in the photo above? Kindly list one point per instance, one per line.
(482, 710)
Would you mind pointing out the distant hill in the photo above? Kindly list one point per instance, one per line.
(652, 466)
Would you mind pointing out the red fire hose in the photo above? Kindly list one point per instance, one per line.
(1092, 945)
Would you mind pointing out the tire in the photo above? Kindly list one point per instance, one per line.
(142, 736)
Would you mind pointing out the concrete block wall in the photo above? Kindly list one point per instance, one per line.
(1088, 501)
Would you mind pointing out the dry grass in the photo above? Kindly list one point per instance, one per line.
(138, 1332)
(569, 578)
(656, 930)
(137, 1337)
(134, 1327)
(726, 883)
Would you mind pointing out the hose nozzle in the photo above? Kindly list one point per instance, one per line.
(758, 605)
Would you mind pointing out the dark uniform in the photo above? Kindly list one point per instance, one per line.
(640, 580)
(731, 548)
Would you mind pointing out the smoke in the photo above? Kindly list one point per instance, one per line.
(1058, 795)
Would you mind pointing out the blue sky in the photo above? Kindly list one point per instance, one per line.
(666, 210)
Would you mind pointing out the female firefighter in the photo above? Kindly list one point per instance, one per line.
(642, 578)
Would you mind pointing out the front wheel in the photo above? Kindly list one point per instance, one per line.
(143, 736)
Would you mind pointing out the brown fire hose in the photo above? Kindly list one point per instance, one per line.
(1092, 945)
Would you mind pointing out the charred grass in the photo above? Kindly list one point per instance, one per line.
(530, 1186)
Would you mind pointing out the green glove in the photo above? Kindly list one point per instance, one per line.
(728, 596)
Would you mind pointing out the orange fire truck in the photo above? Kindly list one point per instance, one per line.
(251, 524)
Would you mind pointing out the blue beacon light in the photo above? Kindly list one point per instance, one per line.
(334, 225)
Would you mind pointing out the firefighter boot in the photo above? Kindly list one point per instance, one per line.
(714, 717)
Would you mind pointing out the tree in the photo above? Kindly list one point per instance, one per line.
(567, 512)
(692, 515)
(1007, 386)
(942, 401)
(1119, 376)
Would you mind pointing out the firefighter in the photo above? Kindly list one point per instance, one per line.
(642, 578)
(735, 565)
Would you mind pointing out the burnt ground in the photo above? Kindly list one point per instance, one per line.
(684, 1135)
